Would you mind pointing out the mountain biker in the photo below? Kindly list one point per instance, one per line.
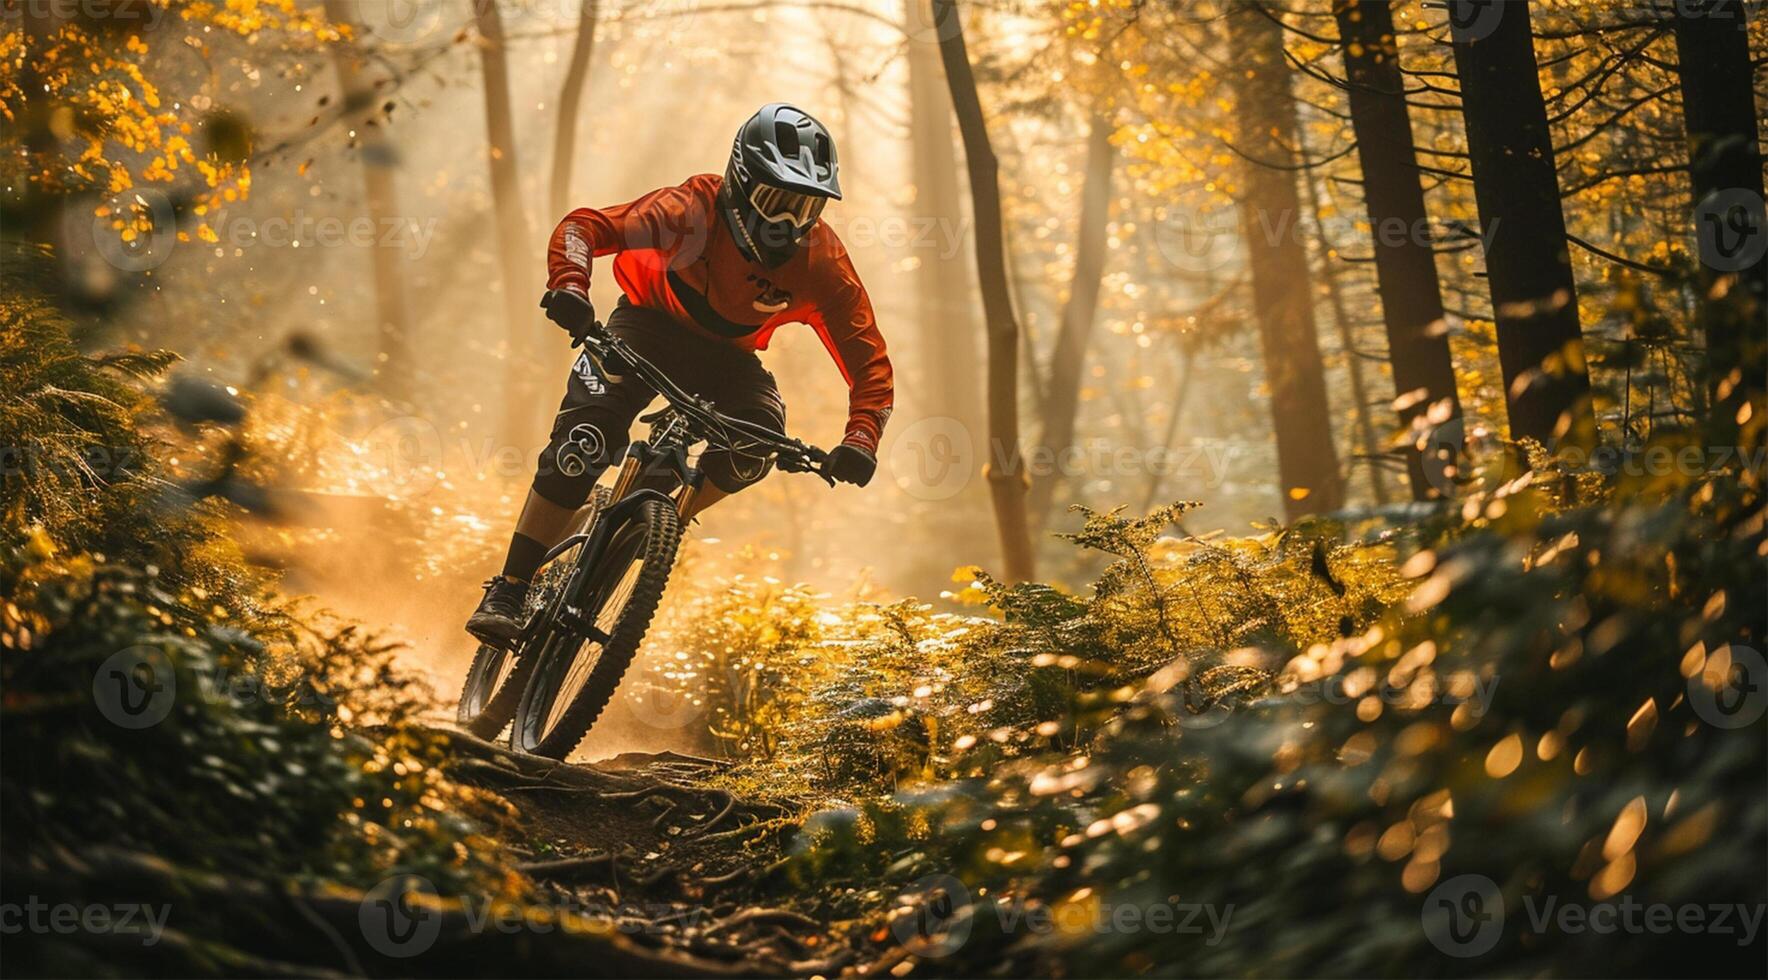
(708, 270)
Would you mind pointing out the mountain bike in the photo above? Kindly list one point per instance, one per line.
(591, 603)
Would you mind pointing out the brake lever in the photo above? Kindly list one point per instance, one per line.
(581, 337)
(820, 467)
(599, 350)
(804, 460)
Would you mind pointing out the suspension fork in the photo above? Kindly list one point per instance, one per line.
(629, 471)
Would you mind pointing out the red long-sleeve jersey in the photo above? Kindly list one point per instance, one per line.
(672, 252)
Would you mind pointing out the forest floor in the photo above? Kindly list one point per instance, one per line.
(650, 845)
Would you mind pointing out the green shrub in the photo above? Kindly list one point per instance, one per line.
(165, 714)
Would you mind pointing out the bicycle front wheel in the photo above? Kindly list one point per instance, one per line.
(575, 676)
(498, 675)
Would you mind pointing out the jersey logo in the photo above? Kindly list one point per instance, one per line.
(768, 297)
(576, 248)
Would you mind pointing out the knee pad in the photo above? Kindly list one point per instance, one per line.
(731, 472)
(574, 458)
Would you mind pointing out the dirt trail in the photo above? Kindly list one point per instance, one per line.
(678, 866)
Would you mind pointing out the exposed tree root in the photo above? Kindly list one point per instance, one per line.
(567, 869)
(758, 915)
(644, 838)
(287, 944)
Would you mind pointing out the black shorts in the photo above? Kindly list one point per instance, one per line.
(597, 411)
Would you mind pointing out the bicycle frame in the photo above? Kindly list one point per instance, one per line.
(665, 452)
(656, 471)
(676, 427)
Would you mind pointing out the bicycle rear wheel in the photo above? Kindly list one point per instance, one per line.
(574, 677)
(497, 676)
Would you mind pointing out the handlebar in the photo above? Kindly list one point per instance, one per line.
(792, 455)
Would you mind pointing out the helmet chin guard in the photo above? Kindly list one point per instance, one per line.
(782, 171)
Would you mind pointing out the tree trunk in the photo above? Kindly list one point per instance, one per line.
(1725, 167)
(520, 275)
(1156, 474)
(1347, 339)
(570, 107)
(1068, 360)
(1405, 267)
(1307, 462)
(836, 45)
(381, 200)
(1528, 262)
(1005, 469)
(951, 362)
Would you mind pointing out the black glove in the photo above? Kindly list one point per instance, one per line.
(568, 309)
(851, 464)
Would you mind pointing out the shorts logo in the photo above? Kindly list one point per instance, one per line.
(582, 447)
(586, 373)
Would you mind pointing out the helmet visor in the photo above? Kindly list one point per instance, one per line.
(778, 204)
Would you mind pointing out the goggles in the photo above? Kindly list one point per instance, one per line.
(776, 204)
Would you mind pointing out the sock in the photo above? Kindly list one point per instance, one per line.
(524, 557)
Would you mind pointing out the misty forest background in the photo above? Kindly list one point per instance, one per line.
(1412, 352)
